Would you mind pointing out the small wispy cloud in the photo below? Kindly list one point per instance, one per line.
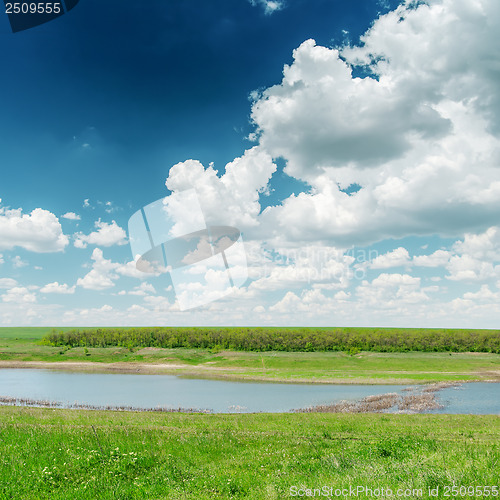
(383, 4)
(71, 216)
(55, 287)
(17, 262)
(270, 6)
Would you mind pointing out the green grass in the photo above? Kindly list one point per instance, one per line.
(62, 454)
(21, 345)
(24, 332)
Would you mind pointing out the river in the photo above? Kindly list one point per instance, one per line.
(168, 391)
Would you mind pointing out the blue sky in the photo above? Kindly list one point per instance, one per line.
(361, 140)
(144, 87)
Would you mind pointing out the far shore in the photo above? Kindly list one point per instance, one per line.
(236, 374)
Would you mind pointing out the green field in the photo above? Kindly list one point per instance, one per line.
(24, 332)
(21, 346)
(66, 454)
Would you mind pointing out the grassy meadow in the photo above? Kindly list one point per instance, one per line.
(48, 453)
(61, 454)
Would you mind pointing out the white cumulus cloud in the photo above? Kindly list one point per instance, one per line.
(107, 234)
(7, 282)
(39, 231)
(233, 197)
(437, 259)
(388, 291)
(105, 272)
(420, 137)
(398, 257)
(55, 287)
(71, 216)
(19, 295)
(101, 276)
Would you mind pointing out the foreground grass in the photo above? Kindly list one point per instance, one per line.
(61, 454)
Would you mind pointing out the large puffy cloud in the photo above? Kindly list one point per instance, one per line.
(321, 116)
(445, 49)
(419, 137)
(39, 231)
(232, 198)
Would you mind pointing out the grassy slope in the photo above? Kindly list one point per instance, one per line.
(56, 454)
(21, 345)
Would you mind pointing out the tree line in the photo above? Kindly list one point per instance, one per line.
(283, 339)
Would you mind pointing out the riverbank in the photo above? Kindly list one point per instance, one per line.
(60, 454)
(21, 348)
(323, 368)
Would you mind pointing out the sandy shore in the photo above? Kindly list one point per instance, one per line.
(118, 367)
(222, 373)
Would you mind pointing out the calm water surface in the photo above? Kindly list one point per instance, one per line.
(477, 397)
(149, 391)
